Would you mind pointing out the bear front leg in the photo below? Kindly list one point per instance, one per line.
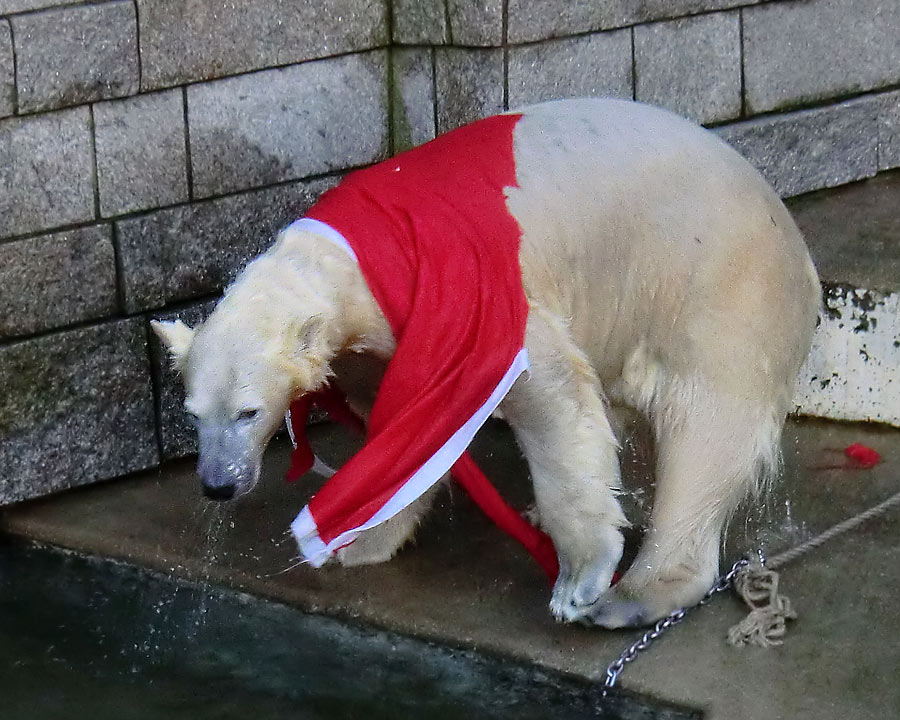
(380, 543)
(560, 422)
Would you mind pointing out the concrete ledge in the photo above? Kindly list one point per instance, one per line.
(854, 237)
(465, 584)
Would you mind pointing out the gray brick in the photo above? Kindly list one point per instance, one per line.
(7, 72)
(288, 123)
(811, 149)
(889, 131)
(46, 168)
(540, 19)
(15, 6)
(55, 280)
(76, 407)
(413, 97)
(194, 250)
(448, 22)
(469, 85)
(476, 22)
(591, 65)
(70, 56)
(187, 41)
(691, 66)
(177, 434)
(629, 12)
(798, 52)
(420, 22)
(141, 158)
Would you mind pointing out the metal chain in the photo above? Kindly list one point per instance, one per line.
(723, 583)
(631, 652)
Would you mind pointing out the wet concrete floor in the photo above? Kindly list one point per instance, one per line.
(465, 584)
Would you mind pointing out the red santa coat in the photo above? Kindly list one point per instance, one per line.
(439, 251)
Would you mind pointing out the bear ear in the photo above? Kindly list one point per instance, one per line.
(307, 336)
(304, 352)
(177, 337)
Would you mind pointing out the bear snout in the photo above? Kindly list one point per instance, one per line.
(223, 480)
(221, 492)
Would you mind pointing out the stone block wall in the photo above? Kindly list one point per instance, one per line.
(148, 148)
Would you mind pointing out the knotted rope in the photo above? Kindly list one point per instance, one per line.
(757, 584)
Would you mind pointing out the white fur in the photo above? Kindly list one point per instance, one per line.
(662, 274)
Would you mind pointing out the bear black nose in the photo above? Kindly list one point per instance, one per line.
(220, 492)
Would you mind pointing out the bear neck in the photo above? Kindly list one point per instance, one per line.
(326, 281)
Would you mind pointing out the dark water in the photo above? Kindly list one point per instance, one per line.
(82, 638)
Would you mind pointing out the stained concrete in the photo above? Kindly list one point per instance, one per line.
(464, 584)
(853, 232)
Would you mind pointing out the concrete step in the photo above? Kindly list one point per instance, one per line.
(853, 234)
(465, 584)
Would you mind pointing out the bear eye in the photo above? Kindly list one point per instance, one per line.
(247, 414)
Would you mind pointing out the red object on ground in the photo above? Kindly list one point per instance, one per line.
(537, 543)
(864, 457)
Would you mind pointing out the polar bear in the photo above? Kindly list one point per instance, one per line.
(662, 274)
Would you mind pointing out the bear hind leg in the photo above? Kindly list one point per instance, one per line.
(712, 452)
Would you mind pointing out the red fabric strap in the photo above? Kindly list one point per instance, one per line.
(465, 472)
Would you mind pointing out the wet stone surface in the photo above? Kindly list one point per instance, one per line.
(46, 171)
(154, 647)
(190, 251)
(11, 6)
(889, 132)
(288, 123)
(853, 232)
(413, 122)
(476, 22)
(55, 280)
(469, 85)
(141, 156)
(203, 39)
(7, 74)
(587, 66)
(420, 22)
(805, 52)
(463, 582)
(539, 19)
(177, 435)
(69, 56)
(76, 407)
(691, 66)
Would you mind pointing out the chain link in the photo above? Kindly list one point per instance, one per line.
(616, 667)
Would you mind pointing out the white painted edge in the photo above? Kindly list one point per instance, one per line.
(853, 369)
